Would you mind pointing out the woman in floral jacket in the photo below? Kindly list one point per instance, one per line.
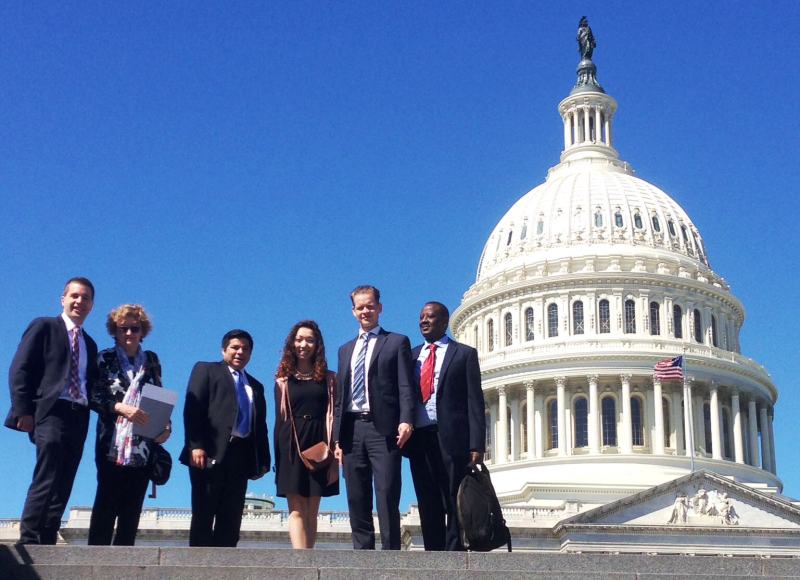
(121, 456)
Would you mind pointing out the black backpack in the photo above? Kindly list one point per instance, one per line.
(483, 528)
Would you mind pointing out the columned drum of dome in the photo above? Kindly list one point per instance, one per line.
(593, 277)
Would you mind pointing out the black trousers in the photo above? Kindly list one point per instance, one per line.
(59, 439)
(120, 495)
(369, 456)
(218, 497)
(437, 476)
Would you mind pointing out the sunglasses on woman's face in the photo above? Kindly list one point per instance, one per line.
(133, 329)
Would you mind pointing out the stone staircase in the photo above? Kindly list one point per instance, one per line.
(145, 563)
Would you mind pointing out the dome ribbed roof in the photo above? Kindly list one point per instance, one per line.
(594, 206)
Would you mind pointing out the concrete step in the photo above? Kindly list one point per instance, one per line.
(144, 563)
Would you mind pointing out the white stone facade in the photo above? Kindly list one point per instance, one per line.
(588, 281)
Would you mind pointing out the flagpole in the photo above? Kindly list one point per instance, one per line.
(687, 411)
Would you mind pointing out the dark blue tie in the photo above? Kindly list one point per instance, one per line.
(243, 417)
(359, 382)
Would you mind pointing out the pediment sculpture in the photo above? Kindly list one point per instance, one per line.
(704, 507)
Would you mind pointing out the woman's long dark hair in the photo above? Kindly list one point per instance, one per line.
(288, 364)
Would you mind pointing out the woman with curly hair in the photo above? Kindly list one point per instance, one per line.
(305, 391)
(121, 456)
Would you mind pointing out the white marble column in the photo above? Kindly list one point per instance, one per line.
(502, 433)
(752, 415)
(699, 422)
(772, 442)
(625, 442)
(562, 417)
(567, 132)
(678, 419)
(538, 423)
(594, 416)
(766, 452)
(658, 401)
(738, 447)
(598, 131)
(529, 418)
(515, 428)
(716, 432)
(586, 135)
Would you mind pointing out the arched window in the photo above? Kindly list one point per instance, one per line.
(713, 330)
(529, 324)
(523, 431)
(540, 227)
(609, 417)
(552, 320)
(618, 219)
(489, 427)
(581, 423)
(685, 236)
(630, 317)
(577, 317)
(509, 329)
(707, 425)
(499, 239)
(598, 220)
(671, 225)
(524, 232)
(637, 424)
(677, 321)
(698, 327)
(490, 334)
(510, 233)
(656, 224)
(667, 425)
(552, 421)
(726, 443)
(637, 221)
(605, 317)
(655, 318)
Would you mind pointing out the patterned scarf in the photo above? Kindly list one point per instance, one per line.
(123, 436)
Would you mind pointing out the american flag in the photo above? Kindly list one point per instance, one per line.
(669, 369)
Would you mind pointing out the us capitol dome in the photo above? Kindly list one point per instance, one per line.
(585, 283)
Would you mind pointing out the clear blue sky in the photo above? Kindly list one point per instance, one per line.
(246, 164)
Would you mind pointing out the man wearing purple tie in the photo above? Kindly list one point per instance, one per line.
(225, 419)
(51, 379)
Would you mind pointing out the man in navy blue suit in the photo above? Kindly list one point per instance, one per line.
(450, 426)
(373, 419)
(51, 379)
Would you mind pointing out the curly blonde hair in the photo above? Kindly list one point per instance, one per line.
(118, 316)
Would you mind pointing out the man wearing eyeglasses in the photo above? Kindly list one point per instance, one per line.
(50, 380)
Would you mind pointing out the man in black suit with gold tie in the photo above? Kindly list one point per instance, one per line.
(373, 419)
(51, 380)
(225, 419)
(450, 427)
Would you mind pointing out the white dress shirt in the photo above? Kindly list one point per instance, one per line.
(426, 413)
(371, 336)
(82, 358)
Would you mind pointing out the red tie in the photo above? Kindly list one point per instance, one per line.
(426, 375)
(74, 371)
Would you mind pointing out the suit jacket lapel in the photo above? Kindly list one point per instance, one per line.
(379, 342)
(344, 384)
(452, 346)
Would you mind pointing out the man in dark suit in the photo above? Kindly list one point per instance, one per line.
(450, 426)
(225, 418)
(373, 419)
(51, 380)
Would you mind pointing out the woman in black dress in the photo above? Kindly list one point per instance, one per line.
(304, 382)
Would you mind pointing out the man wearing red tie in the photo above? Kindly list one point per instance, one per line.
(450, 426)
(51, 380)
